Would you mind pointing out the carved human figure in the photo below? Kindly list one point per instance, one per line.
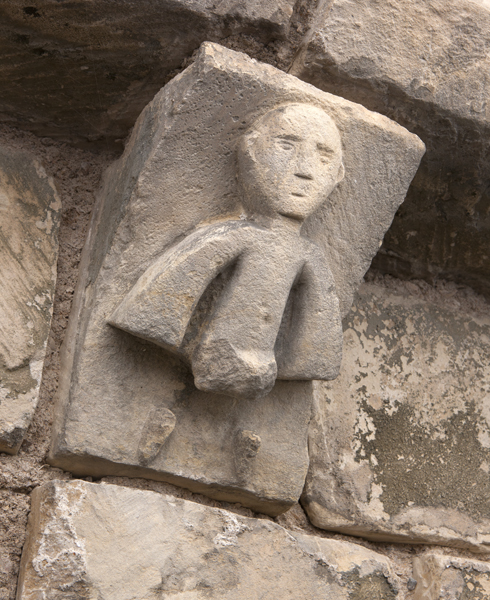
(278, 314)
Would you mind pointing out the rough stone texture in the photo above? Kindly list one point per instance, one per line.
(400, 446)
(96, 540)
(13, 520)
(425, 65)
(76, 174)
(114, 385)
(84, 71)
(288, 164)
(441, 577)
(29, 209)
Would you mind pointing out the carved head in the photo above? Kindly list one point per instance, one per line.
(290, 161)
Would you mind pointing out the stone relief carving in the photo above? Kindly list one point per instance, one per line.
(174, 270)
(288, 163)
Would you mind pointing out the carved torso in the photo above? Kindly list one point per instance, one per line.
(248, 340)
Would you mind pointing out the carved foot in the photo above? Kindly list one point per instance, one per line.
(158, 427)
(220, 367)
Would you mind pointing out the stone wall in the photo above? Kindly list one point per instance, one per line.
(398, 444)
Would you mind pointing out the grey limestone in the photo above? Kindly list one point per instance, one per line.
(83, 71)
(108, 542)
(226, 246)
(400, 444)
(29, 219)
(442, 577)
(285, 172)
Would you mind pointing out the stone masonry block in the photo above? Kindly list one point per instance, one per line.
(400, 446)
(83, 71)
(29, 219)
(442, 577)
(114, 543)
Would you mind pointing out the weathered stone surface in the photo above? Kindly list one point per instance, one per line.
(114, 543)
(179, 172)
(447, 578)
(85, 71)
(288, 164)
(14, 509)
(29, 218)
(425, 65)
(400, 446)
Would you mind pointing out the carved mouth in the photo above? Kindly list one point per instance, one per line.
(293, 216)
(298, 194)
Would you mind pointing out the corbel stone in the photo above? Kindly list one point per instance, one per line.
(225, 248)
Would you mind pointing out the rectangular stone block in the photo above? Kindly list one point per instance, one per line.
(426, 65)
(400, 446)
(29, 219)
(128, 403)
(114, 543)
(84, 72)
(442, 577)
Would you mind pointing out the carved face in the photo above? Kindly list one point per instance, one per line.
(290, 162)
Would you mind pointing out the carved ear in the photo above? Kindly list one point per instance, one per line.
(341, 173)
(246, 144)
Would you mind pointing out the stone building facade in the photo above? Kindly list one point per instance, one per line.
(245, 319)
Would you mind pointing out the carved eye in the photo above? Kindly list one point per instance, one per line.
(285, 144)
(325, 154)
